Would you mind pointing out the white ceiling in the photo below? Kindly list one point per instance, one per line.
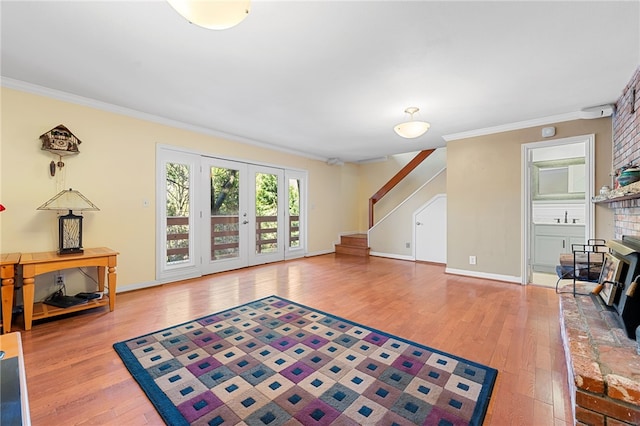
(329, 79)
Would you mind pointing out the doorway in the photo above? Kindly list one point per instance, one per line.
(558, 179)
(216, 214)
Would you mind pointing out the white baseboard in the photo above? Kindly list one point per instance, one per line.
(392, 255)
(138, 286)
(488, 276)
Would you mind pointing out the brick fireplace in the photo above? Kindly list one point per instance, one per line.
(626, 150)
(603, 365)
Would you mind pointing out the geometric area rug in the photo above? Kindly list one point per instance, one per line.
(275, 362)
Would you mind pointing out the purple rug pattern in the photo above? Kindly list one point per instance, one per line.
(275, 362)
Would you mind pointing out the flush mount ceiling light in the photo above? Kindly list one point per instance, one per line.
(213, 14)
(412, 128)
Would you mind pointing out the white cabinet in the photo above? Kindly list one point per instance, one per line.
(550, 241)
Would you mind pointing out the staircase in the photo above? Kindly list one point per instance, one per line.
(354, 244)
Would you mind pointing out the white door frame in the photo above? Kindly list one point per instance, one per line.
(526, 225)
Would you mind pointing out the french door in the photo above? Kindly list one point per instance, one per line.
(243, 215)
(225, 221)
(217, 215)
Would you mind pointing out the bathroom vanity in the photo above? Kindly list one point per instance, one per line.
(551, 240)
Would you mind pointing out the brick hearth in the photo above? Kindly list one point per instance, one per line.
(604, 368)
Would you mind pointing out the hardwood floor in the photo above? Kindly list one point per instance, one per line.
(75, 377)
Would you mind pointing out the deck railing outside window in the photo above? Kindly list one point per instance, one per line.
(225, 236)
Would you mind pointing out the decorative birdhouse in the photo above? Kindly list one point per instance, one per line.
(61, 142)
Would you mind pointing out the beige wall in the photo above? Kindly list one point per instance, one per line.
(484, 195)
(116, 170)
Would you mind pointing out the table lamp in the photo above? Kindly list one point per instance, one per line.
(69, 225)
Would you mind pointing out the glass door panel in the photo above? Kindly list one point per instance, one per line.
(224, 209)
(266, 213)
(177, 212)
(224, 216)
(294, 213)
(294, 220)
(268, 216)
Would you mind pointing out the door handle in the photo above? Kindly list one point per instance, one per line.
(418, 223)
(244, 222)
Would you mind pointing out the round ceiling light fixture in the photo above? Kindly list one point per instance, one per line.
(413, 128)
(213, 14)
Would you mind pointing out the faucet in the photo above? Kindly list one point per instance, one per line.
(565, 217)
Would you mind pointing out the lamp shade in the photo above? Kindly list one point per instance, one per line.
(213, 14)
(413, 128)
(69, 200)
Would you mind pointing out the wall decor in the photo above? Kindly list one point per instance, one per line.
(61, 142)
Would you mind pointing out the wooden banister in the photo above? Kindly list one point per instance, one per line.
(408, 168)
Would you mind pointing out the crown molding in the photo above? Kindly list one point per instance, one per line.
(576, 115)
(35, 89)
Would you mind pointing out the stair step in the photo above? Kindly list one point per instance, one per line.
(352, 250)
(356, 240)
(354, 244)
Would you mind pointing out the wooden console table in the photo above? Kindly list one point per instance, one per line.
(8, 263)
(39, 263)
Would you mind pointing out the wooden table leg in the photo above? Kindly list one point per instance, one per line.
(112, 287)
(101, 272)
(7, 303)
(28, 289)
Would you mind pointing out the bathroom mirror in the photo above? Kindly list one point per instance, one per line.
(559, 179)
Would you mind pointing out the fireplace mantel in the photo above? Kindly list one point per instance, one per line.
(628, 192)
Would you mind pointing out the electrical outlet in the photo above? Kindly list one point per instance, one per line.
(408, 245)
(472, 260)
(59, 279)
